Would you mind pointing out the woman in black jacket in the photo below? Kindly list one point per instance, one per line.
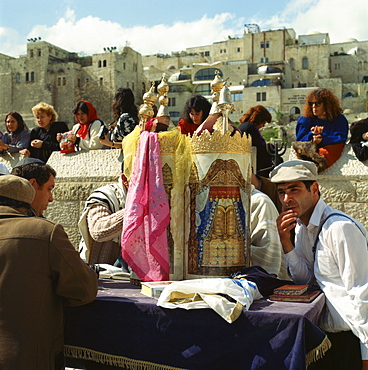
(43, 138)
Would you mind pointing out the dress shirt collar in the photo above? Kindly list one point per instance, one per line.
(316, 216)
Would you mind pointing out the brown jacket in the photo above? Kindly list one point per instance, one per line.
(40, 271)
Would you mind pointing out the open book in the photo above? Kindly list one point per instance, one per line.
(112, 272)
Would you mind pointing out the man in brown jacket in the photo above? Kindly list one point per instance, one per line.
(40, 271)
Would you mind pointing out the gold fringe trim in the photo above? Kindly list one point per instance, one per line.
(119, 361)
(318, 352)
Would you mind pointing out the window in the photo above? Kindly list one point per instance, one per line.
(349, 95)
(294, 110)
(105, 63)
(39, 52)
(174, 114)
(99, 64)
(267, 44)
(266, 59)
(59, 81)
(87, 81)
(101, 81)
(237, 96)
(337, 65)
(31, 53)
(17, 78)
(238, 50)
(206, 53)
(305, 63)
(292, 63)
(204, 89)
(263, 82)
(261, 96)
(27, 76)
(172, 102)
(177, 88)
(124, 65)
(262, 45)
(64, 81)
(206, 74)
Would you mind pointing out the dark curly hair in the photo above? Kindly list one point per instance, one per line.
(256, 115)
(330, 102)
(198, 103)
(124, 103)
(19, 118)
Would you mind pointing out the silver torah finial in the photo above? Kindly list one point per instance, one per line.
(225, 105)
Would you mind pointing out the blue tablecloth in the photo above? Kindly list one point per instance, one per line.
(122, 327)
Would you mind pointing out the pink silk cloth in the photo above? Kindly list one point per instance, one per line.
(147, 214)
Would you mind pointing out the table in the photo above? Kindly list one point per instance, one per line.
(124, 328)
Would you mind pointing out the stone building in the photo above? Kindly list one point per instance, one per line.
(61, 78)
(275, 68)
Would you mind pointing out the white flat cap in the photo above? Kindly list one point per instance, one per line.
(294, 170)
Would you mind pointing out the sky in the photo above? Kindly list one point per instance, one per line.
(151, 27)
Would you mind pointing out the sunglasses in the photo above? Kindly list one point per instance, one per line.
(316, 103)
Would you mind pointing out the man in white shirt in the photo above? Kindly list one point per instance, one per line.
(331, 251)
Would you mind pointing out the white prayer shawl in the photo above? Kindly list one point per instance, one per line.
(266, 249)
(211, 293)
(112, 196)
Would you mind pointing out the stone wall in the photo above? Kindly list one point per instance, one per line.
(344, 185)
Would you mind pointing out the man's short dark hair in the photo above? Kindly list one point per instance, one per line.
(308, 184)
(40, 172)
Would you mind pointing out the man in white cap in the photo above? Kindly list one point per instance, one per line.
(40, 272)
(331, 249)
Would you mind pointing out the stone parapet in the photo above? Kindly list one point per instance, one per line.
(344, 185)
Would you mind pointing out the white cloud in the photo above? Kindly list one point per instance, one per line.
(341, 19)
(12, 43)
(91, 34)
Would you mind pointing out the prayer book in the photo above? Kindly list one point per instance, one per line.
(291, 289)
(154, 288)
(307, 296)
(112, 272)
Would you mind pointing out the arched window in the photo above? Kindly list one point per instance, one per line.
(294, 110)
(105, 63)
(305, 63)
(264, 82)
(349, 94)
(206, 74)
(99, 64)
(262, 45)
(204, 89)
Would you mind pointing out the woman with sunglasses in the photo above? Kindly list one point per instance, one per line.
(323, 124)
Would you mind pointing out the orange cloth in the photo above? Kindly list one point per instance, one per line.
(331, 152)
